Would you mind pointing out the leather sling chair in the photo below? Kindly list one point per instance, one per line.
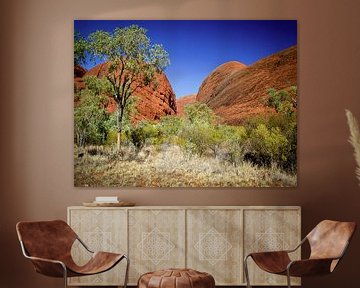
(48, 245)
(328, 242)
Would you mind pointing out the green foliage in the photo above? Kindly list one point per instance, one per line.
(137, 137)
(111, 137)
(97, 85)
(235, 143)
(130, 111)
(169, 126)
(141, 134)
(90, 119)
(197, 138)
(199, 113)
(273, 138)
(268, 145)
(92, 122)
(283, 101)
(133, 61)
(80, 47)
(288, 127)
(198, 133)
(265, 140)
(130, 53)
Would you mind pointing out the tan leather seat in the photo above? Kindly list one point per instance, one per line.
(48, 245)
(328, 242)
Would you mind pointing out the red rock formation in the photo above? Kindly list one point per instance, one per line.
(79, 72)
(182, 101)
(241, 92)
(209, 87)
(153, 102)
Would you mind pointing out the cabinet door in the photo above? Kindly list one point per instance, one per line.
(214, 244)
(101, 230)
(270, 230)
(156, 240)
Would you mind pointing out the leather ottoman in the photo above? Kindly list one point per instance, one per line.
(176, 278)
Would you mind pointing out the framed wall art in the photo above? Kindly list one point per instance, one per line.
(185, 103)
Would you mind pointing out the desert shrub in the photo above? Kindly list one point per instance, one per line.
(199, 113)
(283, 101)
(216, 136)
(169, 127)
(198, 133)
(267, 146)
(235, 143)
(90, 119)
(151, 132)
(95, 150)
(98, 86)
(137, 137)
(111, 138)
(282, 122)
(288, 127)
(195, 138)
(145, 132)
(253, 122)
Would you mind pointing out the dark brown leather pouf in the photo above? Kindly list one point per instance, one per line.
(176, 278)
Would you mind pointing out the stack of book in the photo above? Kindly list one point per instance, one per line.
(106, 199)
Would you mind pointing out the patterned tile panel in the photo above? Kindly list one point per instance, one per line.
(270, 230)
(100, 230)
(156, 246)
(157, 241)
(214, 244)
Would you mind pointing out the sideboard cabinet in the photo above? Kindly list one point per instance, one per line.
(212, 239)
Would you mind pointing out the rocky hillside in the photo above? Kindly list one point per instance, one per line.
(236, 92)
(210, 87)
(153, 102)
(79, 72)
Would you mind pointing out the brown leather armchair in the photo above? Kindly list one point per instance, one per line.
(328, 242)
(48, 245)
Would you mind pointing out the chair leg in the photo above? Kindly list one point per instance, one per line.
(246, 272)
(65, 276)
(127, 271)
(288, 278)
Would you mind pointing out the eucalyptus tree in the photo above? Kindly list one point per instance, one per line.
(132, 62)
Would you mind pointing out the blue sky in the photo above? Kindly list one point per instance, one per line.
(197, 47)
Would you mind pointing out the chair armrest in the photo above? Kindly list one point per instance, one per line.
(309, 267)
(48, 267)
(45, 260)
(268, 253)
(84, 245)
(298, 246)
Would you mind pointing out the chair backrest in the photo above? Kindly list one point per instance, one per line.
(46, 239)
(329, 239)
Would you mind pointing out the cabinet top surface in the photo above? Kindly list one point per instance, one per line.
(192, 207)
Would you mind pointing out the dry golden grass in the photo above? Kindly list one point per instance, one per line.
(170, 167)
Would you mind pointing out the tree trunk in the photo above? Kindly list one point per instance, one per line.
(118, 140)
(120, 114)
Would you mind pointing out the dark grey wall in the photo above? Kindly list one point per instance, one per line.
(37, 105)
